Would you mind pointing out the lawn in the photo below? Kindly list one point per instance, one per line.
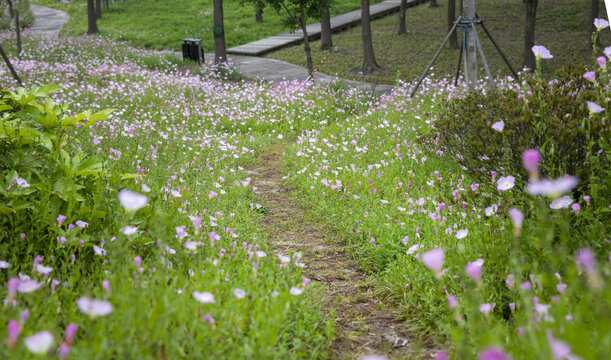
(163, 24)
(562, 26)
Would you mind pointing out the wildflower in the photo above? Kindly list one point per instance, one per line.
(486, 308)
(39, 343)
(530, 160)
(99, 251)
(261, 254)
(576, 207)
(452, 302)
(561, 288)
(175, 193)
(180, 232)
(607, 52)
(28, 286)
(462, 233)
(505, 183)
(61, 219)
(129, 230)
(499, 126)
(601, 24)
(560, 349)
(433, 259)
(541, 52)
(552, 188)
(45, 270)
(517, 218)
(493, 353)
(106, 286)
(209, 319)
(585, 260)
(561, 203)
(145, 188)
(13, 333)
(594, 107)
(4, 264)
(204, 297)
(602, 62)
(295, 291)
(132, 201)
(81, 224)
(590, 76)
(64, 348)
(94, 308)
(21, 182)
(239, 293)
(474, 269)
(490, 210)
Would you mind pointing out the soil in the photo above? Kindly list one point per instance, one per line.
(364, 325)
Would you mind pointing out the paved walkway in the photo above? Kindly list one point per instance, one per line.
(49, 22)
(338, 23)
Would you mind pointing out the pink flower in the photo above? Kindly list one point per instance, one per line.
(81, 224)
(541, 52)
(138, 261)
(212, 194)
(517, 218)
(433, 259)
(452, 302)
(129, 230)
(28, 286)
(505, 183)
(21, 182)
(239, 293)
(576, 207)
(462, 233)
(561, 288)
(601, 24)
(442, 355)
(595, 108)
(132, 201)
(13, 332)
(70, 332)
(106, 285)
(295, 291)
(499, 126)
(602, 62)
(180, 232)
(485, 308)
(585, 260)
(474, 269)
(552, 188)
(94, 308)
(560, 349)
(607, 52)
(493, 353)
(531, 159)
(590, 76)
(61, 219)
(561, 203)
(39, 343)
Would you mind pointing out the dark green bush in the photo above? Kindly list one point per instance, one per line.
(550, 116)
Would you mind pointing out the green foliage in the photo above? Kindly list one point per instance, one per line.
(550, 116)
(43, 170)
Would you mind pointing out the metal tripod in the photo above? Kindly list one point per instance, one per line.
(467, 23)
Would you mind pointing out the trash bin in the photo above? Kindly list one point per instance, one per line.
(192, 50)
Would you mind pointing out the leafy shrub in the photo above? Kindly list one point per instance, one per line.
(43, 171)
(550, 116)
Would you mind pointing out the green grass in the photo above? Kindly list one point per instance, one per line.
(162, 24)
(562, 26)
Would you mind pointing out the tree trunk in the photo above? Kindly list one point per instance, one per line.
(402, 8)
(220, 50)
(9, 65)
(106, 5)
(258, 13)
(326, 42)
(369, 60)
(92, 25)
(15, 14)
(470, 48)
(306, 41)
(451, 19)
(594, 10)
(529, 33)
(433, 4)
(98, 9)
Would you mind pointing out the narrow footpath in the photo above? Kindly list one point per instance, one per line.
(364, 326)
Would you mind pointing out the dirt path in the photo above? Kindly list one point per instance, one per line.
(364, 326)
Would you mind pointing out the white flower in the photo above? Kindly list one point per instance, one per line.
(4, 264)
(94, 308)
(462, 233)
(45, 270)
(490, 210)
(296, 291)
(204, 297)
(132, 201)
(261, 254)
(21, 182)
(412, 249)
(284, 259)
(506, 183)
(601, 24)
(129, 230)
(39, 343)
(98, 250)
(239, 293)
(561, 203)
(541, 52)
(27, 286)
(145, 188)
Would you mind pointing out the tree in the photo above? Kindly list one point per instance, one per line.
(326, 42)
(451, 19)
(402, 9)
(529, 33)
(220, 50)
(259, 5)
(98, 9)
(106, 5)
(92, 25)
(369, 61)
(306, 41)
(15, 14)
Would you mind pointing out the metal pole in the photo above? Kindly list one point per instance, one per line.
(426, 71)
(481, 53)
(471, 58)
(498, 48)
